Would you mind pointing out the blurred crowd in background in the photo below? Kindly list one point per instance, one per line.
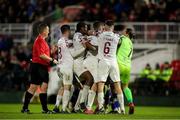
(27, 11)
(14, 66)
(154, 81)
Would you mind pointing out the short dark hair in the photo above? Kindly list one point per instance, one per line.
(65, 28)
(129, 31)
(109, 23)
(79, 26)
(97, 24)
(41, 27)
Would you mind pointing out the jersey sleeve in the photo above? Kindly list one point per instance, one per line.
(75, 53)
(93, 40)
(78, 38)
(69, 43)
(99, 38)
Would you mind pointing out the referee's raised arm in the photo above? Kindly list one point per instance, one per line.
(39, 69)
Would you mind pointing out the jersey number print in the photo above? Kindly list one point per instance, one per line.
(106, 47)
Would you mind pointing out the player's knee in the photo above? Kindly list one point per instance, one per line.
(100, 87)
(32, 88)
(94, 87)
(117, 87)
(67, 87)
(124, 86)
(44, 88)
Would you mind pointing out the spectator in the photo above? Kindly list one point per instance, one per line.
(14, 66)
(153, 76)
(142, 82)
(166, 72)
(118, 10)
(164, 78)
(146, 71)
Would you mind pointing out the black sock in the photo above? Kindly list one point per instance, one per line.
(27, 99)
(43, 99)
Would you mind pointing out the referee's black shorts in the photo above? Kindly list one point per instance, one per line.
(39, 74)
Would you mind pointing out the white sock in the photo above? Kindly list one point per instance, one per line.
(72, 90)
(65, 101)
(101, 99)
(91, 97)
(58, 100)
(120, 98)
(84, 94)
(76, 107)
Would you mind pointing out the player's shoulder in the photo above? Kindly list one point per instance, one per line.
(77, 35)
(101, 34)
(60, 40)
(116, 35)
(92, 37)
(39, 40)
(122, 37)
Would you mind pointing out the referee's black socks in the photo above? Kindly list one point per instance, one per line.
(43, 99)
(27, 99)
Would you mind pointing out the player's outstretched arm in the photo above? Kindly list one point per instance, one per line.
(76, 53)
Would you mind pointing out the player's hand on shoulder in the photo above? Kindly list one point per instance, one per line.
(84, 41)
(55, 62)
(91, 32)
(84, 44)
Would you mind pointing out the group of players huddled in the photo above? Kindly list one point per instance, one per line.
(97, 58)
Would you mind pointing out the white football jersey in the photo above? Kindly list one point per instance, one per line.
(64, 55)
(94, 41)
(77, 43)
(107, 45)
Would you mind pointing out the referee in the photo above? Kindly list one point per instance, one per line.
(39, 69)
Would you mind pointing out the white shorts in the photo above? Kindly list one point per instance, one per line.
(108, 68)
(65, 73)
(55, 82)
(79, 67)
(91, 64)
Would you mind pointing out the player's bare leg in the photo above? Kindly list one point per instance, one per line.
(129, 97)
(100, 86)
(120, 96)
(66, 97)
(91, 97)
(32, 89)
(77, 104)
(89, 81)
(58, 100)
(77, 107)
(28, 95)
(70, 105)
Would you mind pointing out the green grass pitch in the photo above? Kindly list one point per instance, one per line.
(12, 111)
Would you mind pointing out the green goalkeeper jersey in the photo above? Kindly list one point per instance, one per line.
(125, 50)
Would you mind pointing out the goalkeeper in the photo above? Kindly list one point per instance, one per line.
(124, 54)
